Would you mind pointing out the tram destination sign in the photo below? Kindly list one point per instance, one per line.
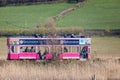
(32, 42)
(51, 42)
(47, 42)
(69, 42)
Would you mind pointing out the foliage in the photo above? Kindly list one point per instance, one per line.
(50, 31)
(23, 2)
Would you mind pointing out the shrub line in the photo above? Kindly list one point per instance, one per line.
(60, 31)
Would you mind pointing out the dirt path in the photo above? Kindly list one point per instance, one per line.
(65, 12)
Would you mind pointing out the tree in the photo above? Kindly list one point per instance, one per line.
(3, 2)
(72, 1)
(16, 2)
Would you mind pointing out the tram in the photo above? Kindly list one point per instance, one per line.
(48, 48)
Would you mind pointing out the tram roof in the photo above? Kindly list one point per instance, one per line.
(45, 38)
(45, 41)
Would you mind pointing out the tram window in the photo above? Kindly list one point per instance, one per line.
(71, 49)
(43, 49)
(65, 49)
(74, 49)
(13, 49)
(56, 49)
(21, 49)
(27, 49)
(32, 49)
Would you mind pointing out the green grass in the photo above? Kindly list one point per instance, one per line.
(21, 17)
(95, 14)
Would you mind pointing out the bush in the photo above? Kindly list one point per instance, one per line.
(42, 31)
(26, 2)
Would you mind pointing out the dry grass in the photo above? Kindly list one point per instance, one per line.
(103, 69)
(105, 47)
(3, 48)
(106, 67)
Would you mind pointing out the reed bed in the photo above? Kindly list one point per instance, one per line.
(102, 69)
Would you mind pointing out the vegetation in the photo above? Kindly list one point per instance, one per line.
(29, 2)
(95, 14)
(103, 69)
(22, 2)
(25, 17)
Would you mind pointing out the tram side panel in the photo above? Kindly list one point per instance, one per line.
(69, 55)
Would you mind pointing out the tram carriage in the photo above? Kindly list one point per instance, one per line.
(43, 48)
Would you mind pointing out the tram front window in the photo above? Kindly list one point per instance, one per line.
(13, 49)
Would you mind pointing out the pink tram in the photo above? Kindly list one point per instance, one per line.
(48, 48)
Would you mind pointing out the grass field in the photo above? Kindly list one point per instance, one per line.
(95, 14)
(24, 17)
(104, 64)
